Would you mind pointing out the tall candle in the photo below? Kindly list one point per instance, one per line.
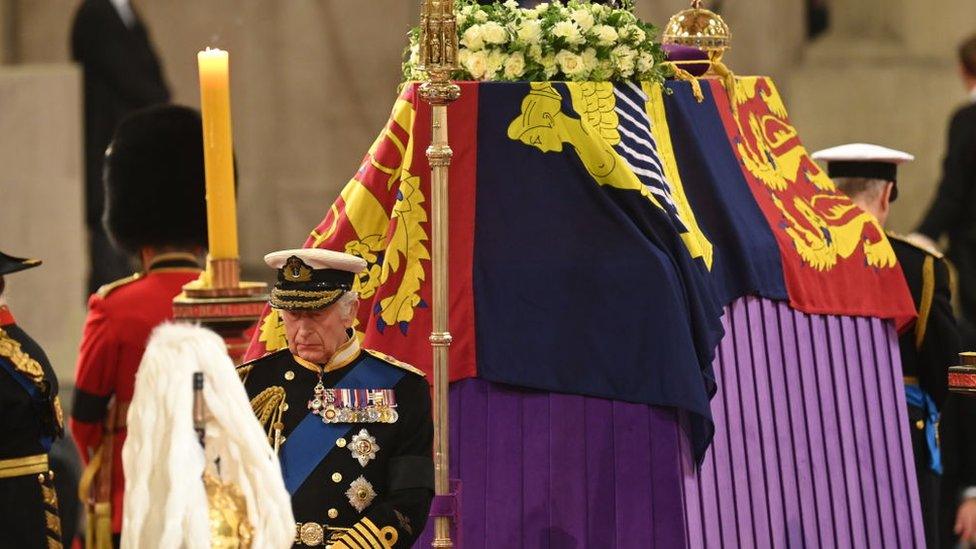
(218, 153)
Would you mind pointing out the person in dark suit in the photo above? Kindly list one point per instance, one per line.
(352, 427)
(951, 211)
(30, 421)
(867, 174)
(121, 74)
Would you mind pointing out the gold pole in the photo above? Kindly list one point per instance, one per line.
(438, 55)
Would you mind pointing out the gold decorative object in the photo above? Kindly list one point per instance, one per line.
(700, 28)
(229, 527)
(438, 58)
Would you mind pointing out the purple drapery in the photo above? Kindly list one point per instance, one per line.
(810, 450)
(811, 443)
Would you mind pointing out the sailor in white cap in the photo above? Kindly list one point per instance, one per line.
(352, 427)
(868, 175)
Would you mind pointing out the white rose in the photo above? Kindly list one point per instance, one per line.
(625, 58)
(511, 4)
(590, 59)
(569, 31)
(515, 66)
(549, 65)
(583, 18)
(530, 31)
(476, 64)
(496, 60)
(636, 34)
(414, 54)
(535, 52)
(645, 62)
(473, 38)
(494, 33)
(605, 34)
(463, 55)
(480, 16)
(570, 63)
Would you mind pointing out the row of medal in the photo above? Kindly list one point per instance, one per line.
(353, 405)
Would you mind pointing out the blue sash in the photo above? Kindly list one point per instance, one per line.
(915, 396)
(31, 389)
(312, 440)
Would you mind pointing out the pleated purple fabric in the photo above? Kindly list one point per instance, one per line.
(810, 450)
(811, 446)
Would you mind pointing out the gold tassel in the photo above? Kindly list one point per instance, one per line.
(267, 406)
(728, 80)
(686, 76)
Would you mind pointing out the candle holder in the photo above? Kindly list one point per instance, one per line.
(962, 378)
(221, 302)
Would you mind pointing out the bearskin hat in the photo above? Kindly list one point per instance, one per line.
(155, 191)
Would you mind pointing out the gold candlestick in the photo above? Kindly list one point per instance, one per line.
(438, 58)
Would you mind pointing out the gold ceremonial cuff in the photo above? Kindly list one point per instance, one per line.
(28, 465)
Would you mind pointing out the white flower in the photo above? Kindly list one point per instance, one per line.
(494, 33)
(535, 52)
(515, 66)
(414, 54)
(463, 55)
(605, 34)
(590, 59)
(496, 60)
(549, 65)
(624, 57)
(583, 18)
(603, 71)
(569, 31)
(476, 64)
(473, 38)
(636, 34)
(480, 16)
(645, 62)
(570, 63)
(511, 4)
(530, 31)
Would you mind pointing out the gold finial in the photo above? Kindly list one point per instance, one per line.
(700, 28)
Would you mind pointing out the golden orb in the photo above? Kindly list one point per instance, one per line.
(700, 28)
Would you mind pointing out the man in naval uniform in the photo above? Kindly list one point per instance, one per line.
(867, 174)
(30, 420)
(352, 427)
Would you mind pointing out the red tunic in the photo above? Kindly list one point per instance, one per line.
(120, 318)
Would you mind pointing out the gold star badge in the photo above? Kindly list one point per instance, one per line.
(360, 494)
(364, 447)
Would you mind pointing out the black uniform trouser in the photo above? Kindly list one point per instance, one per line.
(928, 480)
(22, 522)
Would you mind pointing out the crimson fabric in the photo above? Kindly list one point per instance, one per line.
(836, 258)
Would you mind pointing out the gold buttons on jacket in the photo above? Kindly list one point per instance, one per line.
(333, 513)
(341, 443)
(289, 375)
(920, 424)
(336, 477)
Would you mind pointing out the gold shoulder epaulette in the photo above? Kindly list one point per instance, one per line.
(106, 289)
(389, 359)
(915, 244)
(244, 369)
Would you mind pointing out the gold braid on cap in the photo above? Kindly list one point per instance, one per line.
(325, 297)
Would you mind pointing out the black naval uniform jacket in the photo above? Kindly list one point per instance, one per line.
(385, 469)
(932, 346)
(28, 425)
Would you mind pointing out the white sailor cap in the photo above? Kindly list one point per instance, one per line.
(311, 278)
(864, 160)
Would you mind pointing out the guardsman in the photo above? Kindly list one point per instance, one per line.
(868, 175)
(352, 427)
(156, 211)
(30, 420)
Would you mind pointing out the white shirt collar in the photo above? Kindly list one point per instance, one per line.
(125, 12)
